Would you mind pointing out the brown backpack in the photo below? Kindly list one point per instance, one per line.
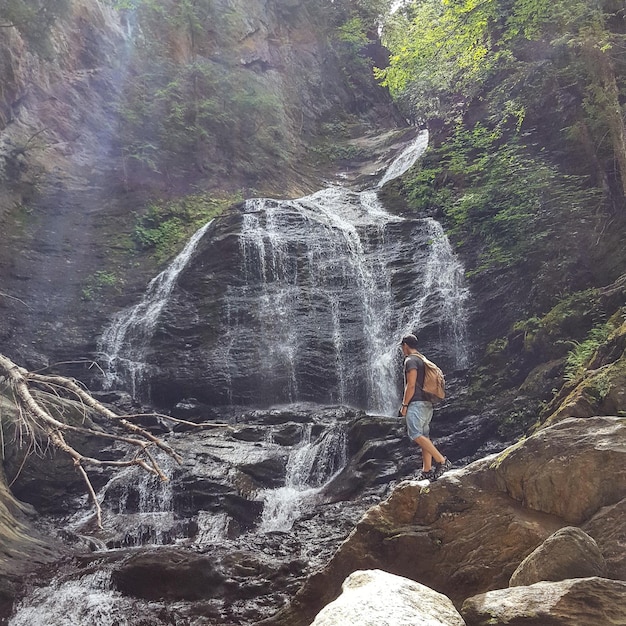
(434, 380)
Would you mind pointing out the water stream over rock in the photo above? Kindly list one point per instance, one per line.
(295, 300)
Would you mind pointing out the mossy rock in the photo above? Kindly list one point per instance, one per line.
(570, 320)
(601, 392)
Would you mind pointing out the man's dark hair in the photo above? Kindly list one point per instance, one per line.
(411, 341)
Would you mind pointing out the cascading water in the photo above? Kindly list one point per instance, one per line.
(311, 465)
(340, 230)
(124, 343)
(406, 159)
(328, 283)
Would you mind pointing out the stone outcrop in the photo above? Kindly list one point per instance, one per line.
(584, 458)
(468, 532)
(602, 389)
(257, 305)
(569, 553)
(169, 574)
(607, 528)
(374, 597)
(588, 601)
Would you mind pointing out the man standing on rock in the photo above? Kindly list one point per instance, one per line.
(418, 410)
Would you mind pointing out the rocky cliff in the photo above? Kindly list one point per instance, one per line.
(83, 155)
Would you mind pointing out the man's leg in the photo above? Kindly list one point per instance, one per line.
(427, 460)
(428, 448)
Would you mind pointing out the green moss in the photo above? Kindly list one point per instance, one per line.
(165, 225)
(582, 352)
(495, 464)
(99, 283)
(496, 347)
(552, 334)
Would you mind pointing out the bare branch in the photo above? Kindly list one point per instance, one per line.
(38, 399)
(176, 420)
(6, 295)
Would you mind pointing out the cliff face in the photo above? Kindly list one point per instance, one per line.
(124, 107)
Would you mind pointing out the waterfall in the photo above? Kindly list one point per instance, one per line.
(326, 285)
(444, 291)
(89, 600)
(337, 241)
(406, 159)
(137, 507)
(124, 343)
(310, 466)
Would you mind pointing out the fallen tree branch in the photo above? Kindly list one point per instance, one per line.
(37, 422)
(176, 420)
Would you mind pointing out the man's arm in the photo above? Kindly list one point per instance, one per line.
(409, 390)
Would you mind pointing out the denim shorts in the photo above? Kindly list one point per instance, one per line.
(418, 417)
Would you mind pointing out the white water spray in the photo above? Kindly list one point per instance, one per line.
(407, 158)
(318, 294)
(311, 465)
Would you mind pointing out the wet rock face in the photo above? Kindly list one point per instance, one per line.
(169, 575)
(201, 544)
(283, 304)
(66, 195)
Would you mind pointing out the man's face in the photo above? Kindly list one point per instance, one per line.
(404, 348)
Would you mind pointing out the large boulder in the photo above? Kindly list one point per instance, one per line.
(588, 601)
(445, 536)
(607, 528)
(374, 597)
(570, 469)
(569, 553)
(168, 573)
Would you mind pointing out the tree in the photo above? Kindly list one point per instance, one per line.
(448, 54)
(33, 19)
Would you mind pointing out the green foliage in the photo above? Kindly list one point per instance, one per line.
(164, 226)
(582, 352)
(518, 59)
(33, 19)
(572, 317)
(490, 187)
(100, 283)
(353, 33)
(190, 110)
(176, 116)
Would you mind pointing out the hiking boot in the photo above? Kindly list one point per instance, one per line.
(429, 475)
(440, 468)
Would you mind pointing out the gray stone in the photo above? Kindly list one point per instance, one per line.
(168, 574)
(377, 598)
(588, 601)
(568, 553)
